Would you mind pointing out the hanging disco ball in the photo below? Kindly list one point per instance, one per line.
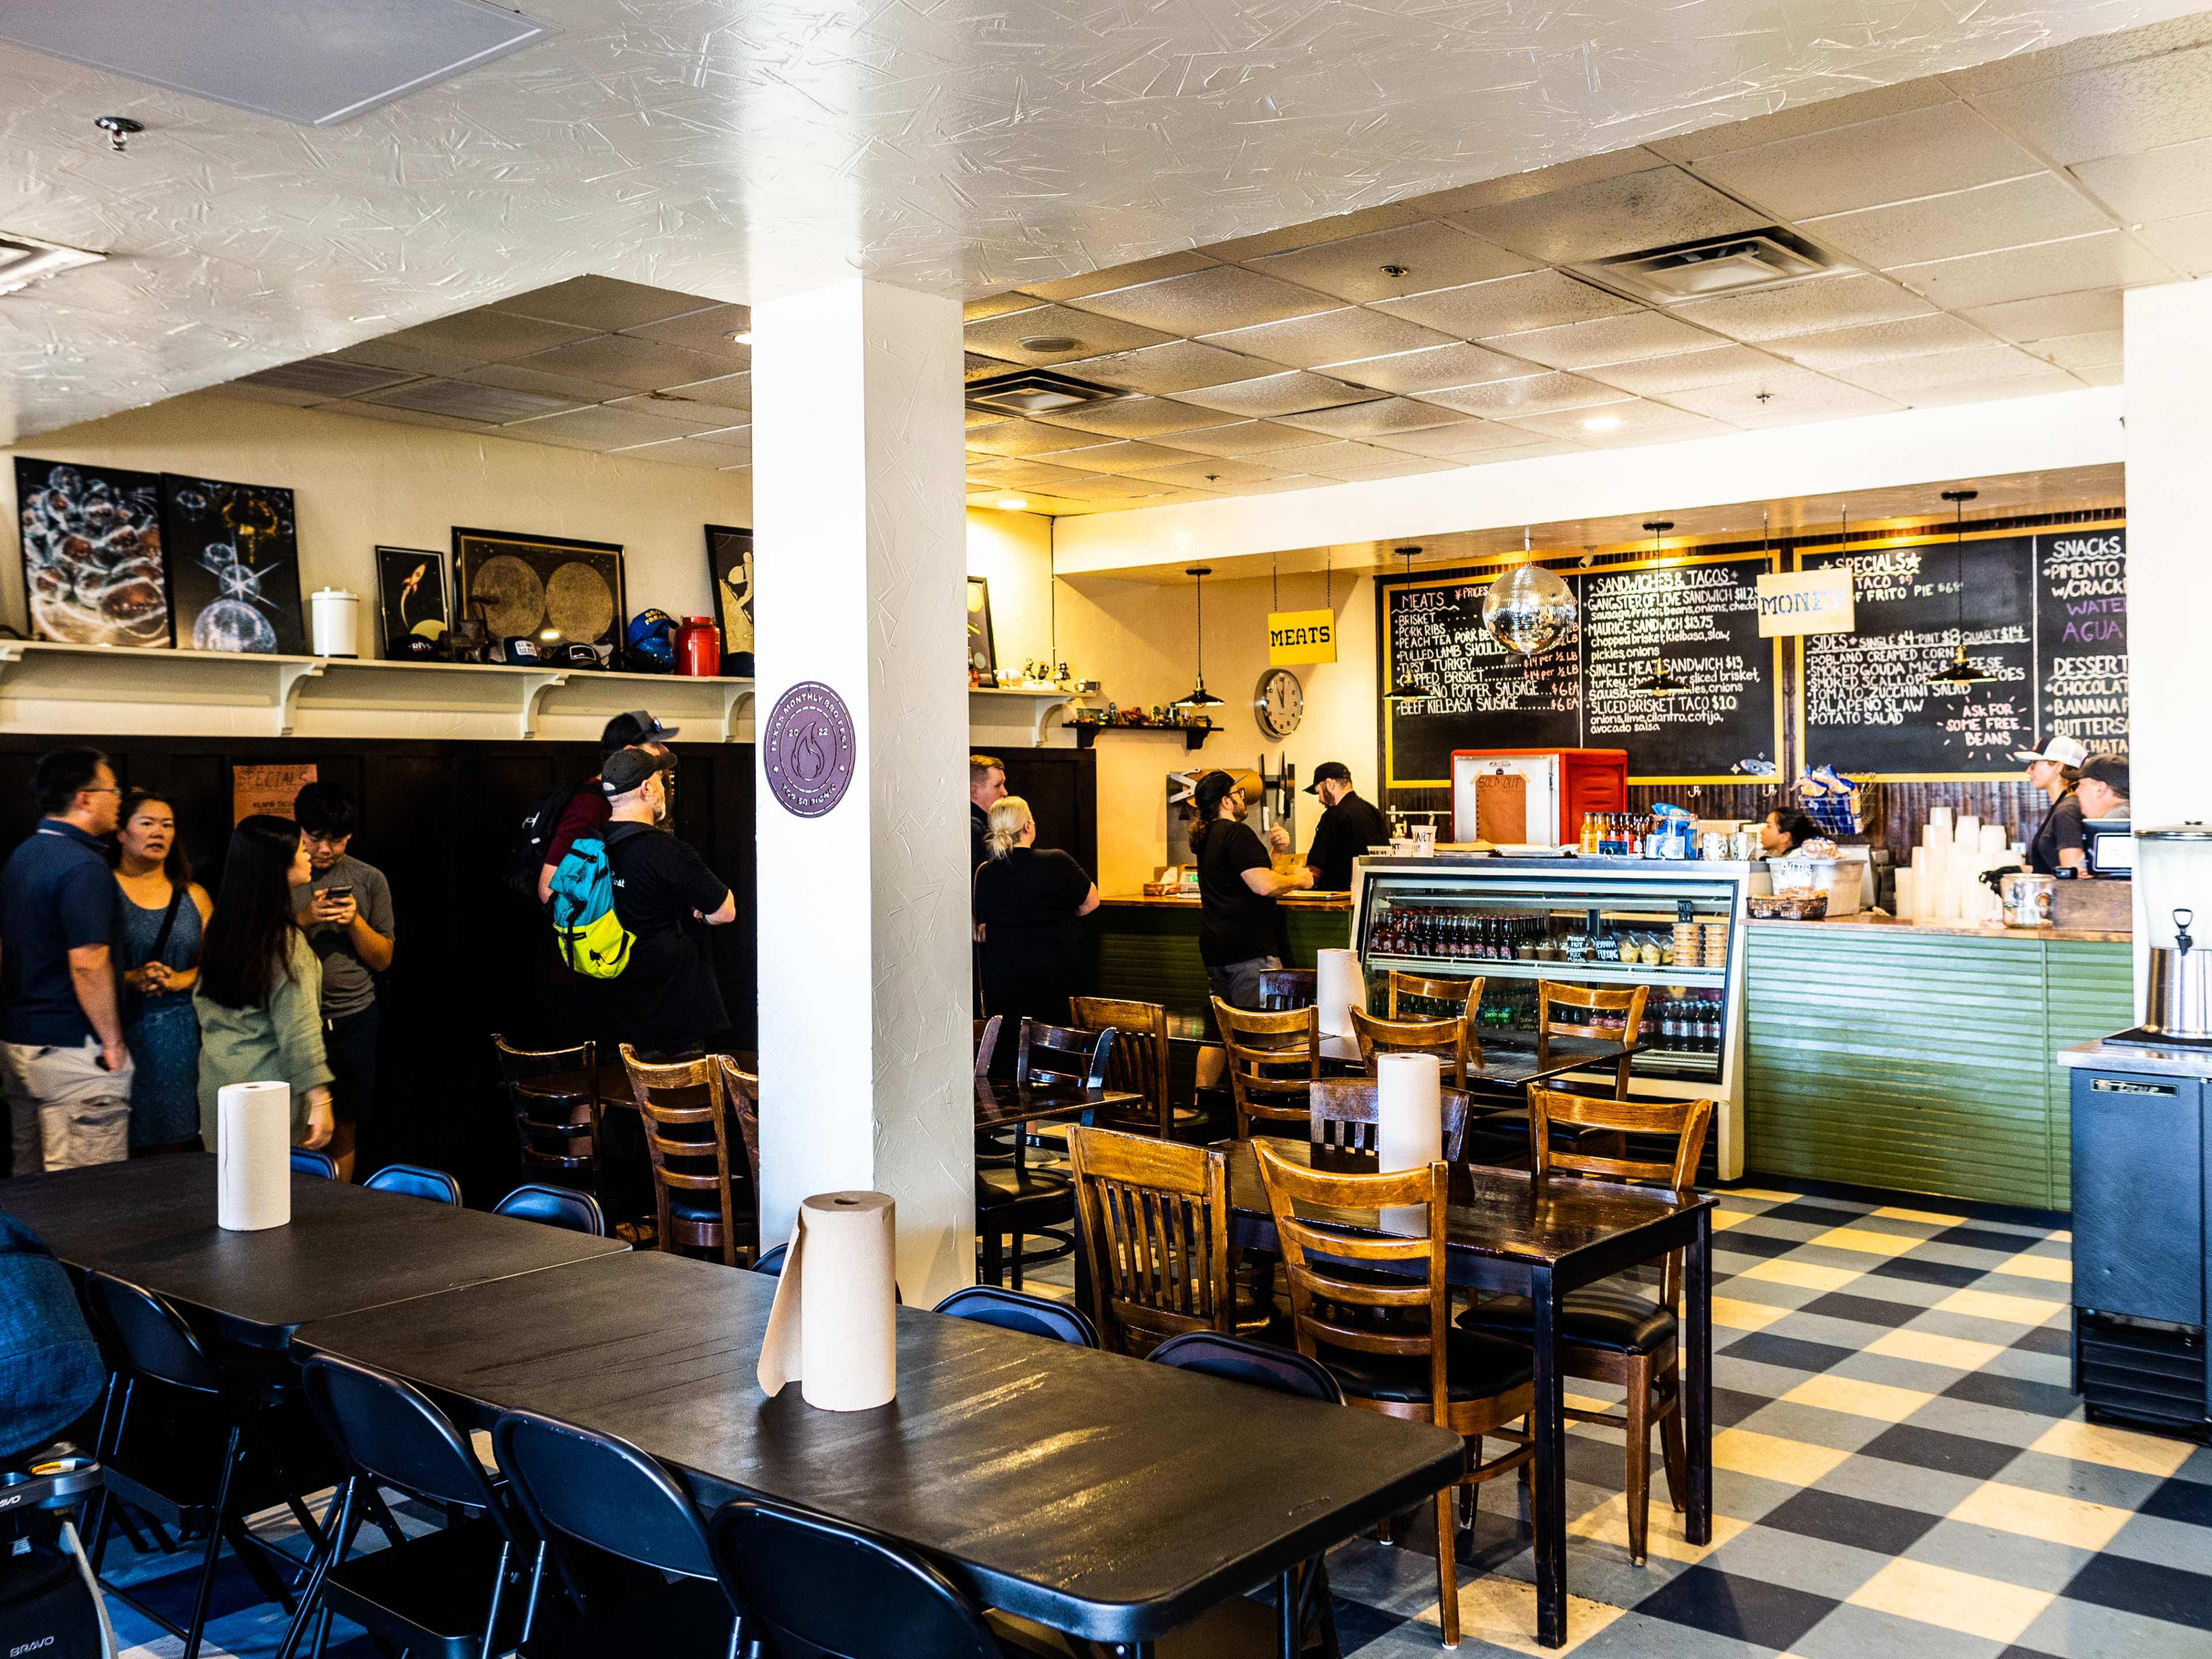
(1528, 609)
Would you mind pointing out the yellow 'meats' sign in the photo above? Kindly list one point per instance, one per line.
(1301, 637)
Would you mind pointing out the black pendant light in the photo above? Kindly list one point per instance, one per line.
(1198, 696)
(1662, 681)
(1404, 690)
(1963, 671)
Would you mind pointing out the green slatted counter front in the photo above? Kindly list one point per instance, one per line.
(1888, 1054)
(1147, 949)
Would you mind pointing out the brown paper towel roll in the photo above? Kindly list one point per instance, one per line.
(253, 1156)
(833, 1326)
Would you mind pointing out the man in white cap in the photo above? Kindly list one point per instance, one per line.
(2052, 769)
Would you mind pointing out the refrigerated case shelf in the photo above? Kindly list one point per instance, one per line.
(1577, 973)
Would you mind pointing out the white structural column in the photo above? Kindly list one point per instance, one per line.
(2169, 448)
(858, 516)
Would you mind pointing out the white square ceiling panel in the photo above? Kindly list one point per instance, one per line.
(1388, 264)
(1373, 420)
(2109, 259)
(1657, 208)
(2037, 209)
(1828, 302)
(1178, 365)
(2161, 184)
(1538, 394)
(1130, 417)
(1054, 334)
(315, 65)
(1276, 394)
(1433, 370)
(1207, 301)
(1655, 377)
(1542, 299)
(1790, 397)
(1923, 152)
(2155, 101)
(1910, 337)
(1239, 438)
(1329, 336)
(1605, 340)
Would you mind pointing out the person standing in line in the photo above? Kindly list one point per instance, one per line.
(67, 1068)
(987, 785)
(1349, 826)
(665, 1003)
(260, 993)
(345, 911)
(586, 811)
(2103, 791)
(164, 912)
(1240, 930)
(1028, 900)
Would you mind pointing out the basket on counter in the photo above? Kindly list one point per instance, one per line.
(1787, 907)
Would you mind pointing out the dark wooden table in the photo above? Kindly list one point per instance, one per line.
(1001, 1102)
(1510, 1060)
(1110, 1497)
(1513, 1233)
(152, 1221)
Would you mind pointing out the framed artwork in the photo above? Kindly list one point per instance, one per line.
(730, 569)
(411, 597)
(233, 566)
(92, 554)
(982, 651)
(542, 587)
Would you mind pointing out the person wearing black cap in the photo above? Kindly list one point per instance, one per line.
(665, 1003)
(2102, 791)
(586, 813)
(1240, 931)
(1348, 827)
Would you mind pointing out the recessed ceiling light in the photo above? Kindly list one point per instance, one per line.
(745, 338)
(1054, 344)
(1602, 423)
(1011, 504)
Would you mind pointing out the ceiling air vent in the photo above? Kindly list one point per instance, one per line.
(1719, 264)
(1034, 392)
(25, 260)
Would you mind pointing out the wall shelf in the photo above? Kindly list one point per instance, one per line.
(1194, 737)
(1016, 708)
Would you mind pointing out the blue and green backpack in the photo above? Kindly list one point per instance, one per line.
(590, 937)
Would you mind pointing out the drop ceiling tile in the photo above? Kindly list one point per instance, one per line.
(707, 329)
(488, 336)
(688, 413)
(2158, 184)
(246, 391)
(1542, 299)
(2083, 52)
(1713, 365)
(1539, 181)
(1178, 365)
(1604, 340)
(1131, 417)
(1188, 474)
(1390, 464)
(1124, 457)
(413, 360)
(1655, 207)
(2109, 260)
(1818, 115)
(1028, 475)
(1207, 301)
(1536, 394)
(1901, 377)
(1293, 393)
(2184, 243)
(1372, 420)
(2041, 208)
(2043, 319)
(976, 417)
(2102, 374)
(1337, 227)
(604, 427)
(995, 469)
(974, 367)
(1273, 486)
(1103, 487)
(601, 302)
(1793, 395)
(318, 380)
(1432, 255)
(620, 360)
(464, 400)
(1433, 370)
(999, 305)
(1087, 336)
(515, 378)
(723, 391)
(725, 437)
(1328, 336)
(2080, 350)
(1875, 341)
(1027, 438)
(414, 417)
(2115, 110)
(1469, 438)
(1063, 288)
(2047, 380)
(1326, 460)
(1640, 422)
(1240, 438)
(677, 452)
(1922, 152)
(1843, 300)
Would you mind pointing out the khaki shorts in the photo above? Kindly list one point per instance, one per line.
(68, 1112)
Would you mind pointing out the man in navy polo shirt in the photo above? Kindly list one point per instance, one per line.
(61, 1031)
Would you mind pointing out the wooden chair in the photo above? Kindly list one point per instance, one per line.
(741, 1106)
(1156, 1234)
(1017, 1197)
(1448, 1040)
(1140, 1063)
(1557, 1007)
(986, 1043)
(1375, 1309)
(1346, 1110)
(556, 1120)
(680, 1107)
(1463, 996)
(1284, 989)
(1616, 1331)
(1274, 1059)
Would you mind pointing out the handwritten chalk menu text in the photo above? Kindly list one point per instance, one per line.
(1702, 619)
(2081, 646)
(1486, 696)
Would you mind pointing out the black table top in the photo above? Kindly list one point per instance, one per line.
(1001, 1101)
(152, 1221)
(1108, 1497)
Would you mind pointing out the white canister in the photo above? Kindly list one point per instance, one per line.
(336, 614)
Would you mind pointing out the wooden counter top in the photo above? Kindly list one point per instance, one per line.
(1951, 929)
(1307, 901)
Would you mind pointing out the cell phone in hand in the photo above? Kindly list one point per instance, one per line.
(338, 892)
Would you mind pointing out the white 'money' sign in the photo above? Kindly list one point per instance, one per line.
(1807, 602)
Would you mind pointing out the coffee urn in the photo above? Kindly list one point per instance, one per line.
(2173, 911)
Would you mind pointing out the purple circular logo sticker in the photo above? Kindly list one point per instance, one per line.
(807, 749)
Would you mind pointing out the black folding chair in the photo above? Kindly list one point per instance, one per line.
(1018, 1310)
(557, 1206)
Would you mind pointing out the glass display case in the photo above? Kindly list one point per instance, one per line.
(1674, 926)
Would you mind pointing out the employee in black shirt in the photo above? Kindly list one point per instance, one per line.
(2052, 769)
(1240, 933)
(1347, 829)
(665, 1003)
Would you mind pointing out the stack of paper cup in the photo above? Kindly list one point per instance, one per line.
(1902, 908)
(1338, 987)
(1939, 821)
(1409, 1126)
(835, 1323)
(253, 1156)
(1994, 838)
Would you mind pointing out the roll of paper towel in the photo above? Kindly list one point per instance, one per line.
(1409, 1126)
(835, 1324)
(1338, 987)
(253, 1156)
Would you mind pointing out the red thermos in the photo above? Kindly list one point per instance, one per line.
(699, 648)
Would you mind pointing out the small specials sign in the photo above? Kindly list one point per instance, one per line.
(1807, 602)
(1295, 636)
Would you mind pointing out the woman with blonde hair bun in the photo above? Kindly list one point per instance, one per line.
(1028, 902)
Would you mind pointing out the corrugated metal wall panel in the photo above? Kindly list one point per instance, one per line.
(1150, 953)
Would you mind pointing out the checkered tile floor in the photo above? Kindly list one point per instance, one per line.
(1900, 1471)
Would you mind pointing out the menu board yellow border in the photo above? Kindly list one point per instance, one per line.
(2114, 521)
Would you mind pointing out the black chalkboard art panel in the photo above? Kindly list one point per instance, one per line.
(1701, 617)
(1486, 696)
(2081, 625)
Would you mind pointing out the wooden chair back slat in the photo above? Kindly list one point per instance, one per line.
(1347, 1110)
(1685, 1120)
(1139, 1059)
(1558, 1005)
(1062, 1056)
(1274, 1059)
(567, 1144)
(986, 1043)
(1448, 1040)
(1156, 1232)
(684, 1094)
(1463, 994)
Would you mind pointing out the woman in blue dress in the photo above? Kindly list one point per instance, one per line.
(164, 911)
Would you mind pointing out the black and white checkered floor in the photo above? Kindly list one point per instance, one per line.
(1900, 1471)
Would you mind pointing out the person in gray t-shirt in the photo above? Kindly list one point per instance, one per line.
(346, 911)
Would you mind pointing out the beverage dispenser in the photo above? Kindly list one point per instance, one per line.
(2173, 923)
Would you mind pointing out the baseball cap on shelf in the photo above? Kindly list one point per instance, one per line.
(636, 727)
(2110, 770)
(2067, 751)
(626, 768)
(1329, 772)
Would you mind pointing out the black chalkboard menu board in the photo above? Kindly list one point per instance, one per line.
(1703, 618)
(2044, 613)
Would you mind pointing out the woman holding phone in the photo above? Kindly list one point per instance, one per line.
(158, 949)
(260, 989)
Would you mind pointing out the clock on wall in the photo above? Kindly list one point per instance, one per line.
(1280, 702)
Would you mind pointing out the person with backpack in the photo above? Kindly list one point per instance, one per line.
(631, 909)
(555, 822)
